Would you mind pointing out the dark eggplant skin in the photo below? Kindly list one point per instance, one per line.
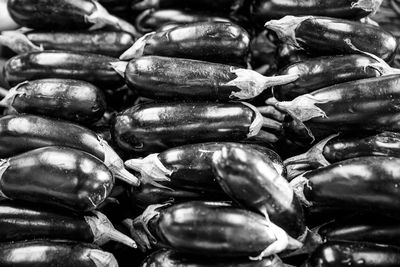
(287, 55)
(150, 20)
(154, 127)
(226, 6)
(170, 258)
(331, 36)
(251, 180)
(365, 228)
(342, 254)
(108, 43)
(67, 99)
(363, 183)
(317, 73)
(92, 68)
(219, 42)
(57, 176)
(54, 254)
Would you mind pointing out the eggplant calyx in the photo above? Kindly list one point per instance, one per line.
(367, 5)
(9, 98)
(286, 27)
(145, 4)
(120, 67)
(137, 49)
(103, 231)
(142, 17)
(102, 259)
(116, 165)
(252, 84)
(18, 42)
(298, 185)
(257, 123)
(4, 164)
(100, 17)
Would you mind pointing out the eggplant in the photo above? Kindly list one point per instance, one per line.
(320, 72)
(150, 20)
(331, 36)
(21, 133)
(379, 230)
(154, 127)
(170, 258)
(335, 149)
(209, 228)
(108, 43)
(287, 55)
(6, 22)
(56, 176)
(220, 42)
(95, 69)
(20, 222)
(343, 254)
(64, 15)
(159, 77)
(226, 6)
(251, 180)
(368, 104)
(67, 99)
(365, 183)
(263, 10)
(54, 254)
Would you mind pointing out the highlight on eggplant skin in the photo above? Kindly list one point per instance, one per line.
(67, 99)
(54, 253)
(342, 254)
(56, 176)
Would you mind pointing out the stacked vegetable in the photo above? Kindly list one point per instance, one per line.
(174, 127)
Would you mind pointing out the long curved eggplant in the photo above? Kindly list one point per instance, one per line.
(56, 176)
(64, 15)
(343, 254)
(262, 10)
(368, 104)
(159, 77)
(54, 254)
(88, 67)
(172, 258)
(365, 183)
(67, 99)
(21, 133)
(227, 6)
(317, 73)
(108, 43)
(150, 20)
(209, 228)
(251, 180)
(154, 127)
(19, 222)
(334, 36)
(220, 42)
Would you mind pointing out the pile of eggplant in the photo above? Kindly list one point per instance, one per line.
(241, 133)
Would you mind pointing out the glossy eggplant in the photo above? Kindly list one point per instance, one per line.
(287, 55)
(365, 183)
(150, 20)
(159, 77)
(220, 42)
(88, 67)
(226, 6)
(208, 228)
(56, 176)
(67, 99)
(368, 104)
(317, 73)
(343, 254)
(251, 180)
(154, 127)
(21, 222)
(331, 36)
(262, 10)
(108, 43)
(54, 254)
(379, 230)
(172, 258)
(21, 133)
(64, 15)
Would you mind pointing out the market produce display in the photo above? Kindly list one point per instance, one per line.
(235, 133)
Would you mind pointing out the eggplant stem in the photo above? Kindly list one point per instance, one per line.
(368, 5)
(298, 185)
(141, 17)
(256, 125)
(120, 67)
(295, 170)
(137, 49)
(266, 137)
(18, 42)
